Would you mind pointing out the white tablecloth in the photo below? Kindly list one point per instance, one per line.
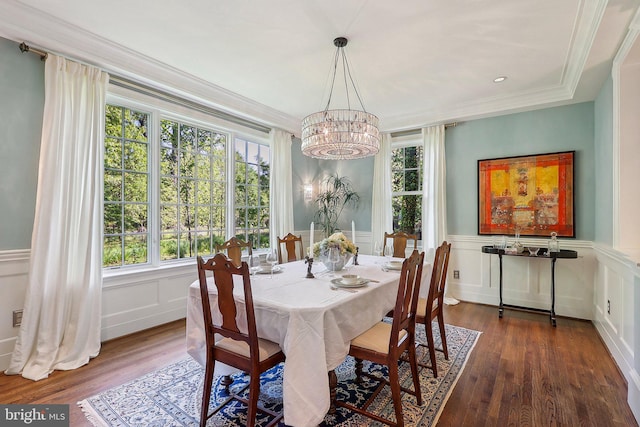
(312, 323)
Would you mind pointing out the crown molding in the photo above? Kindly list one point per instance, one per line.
(20, 22)
(590, 14)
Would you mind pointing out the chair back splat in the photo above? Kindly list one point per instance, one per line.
(233, 248)
(242, 350)
(293, 246)
(400, 240)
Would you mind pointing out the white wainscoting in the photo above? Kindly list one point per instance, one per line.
(617, 314)
(131, 301)
(14, 269)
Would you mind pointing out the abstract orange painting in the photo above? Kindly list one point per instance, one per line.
(529, 194)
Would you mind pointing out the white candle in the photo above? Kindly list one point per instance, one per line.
(353, 233)
(311, 241)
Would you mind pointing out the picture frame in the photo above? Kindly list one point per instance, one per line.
(532, 195)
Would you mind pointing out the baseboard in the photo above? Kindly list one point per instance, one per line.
(633, 393)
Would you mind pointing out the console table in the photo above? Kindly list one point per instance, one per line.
(553, 256)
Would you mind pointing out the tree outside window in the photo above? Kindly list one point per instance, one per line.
(406, 181)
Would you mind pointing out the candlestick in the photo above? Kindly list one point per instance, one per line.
(311, 233)
(353, 232)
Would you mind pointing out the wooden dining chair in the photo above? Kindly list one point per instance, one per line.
(233, 248)
(244, 351)
(385, 343)
(400, 239)
(432, 307)
(293, 246)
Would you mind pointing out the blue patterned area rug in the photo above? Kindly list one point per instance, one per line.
(171, 396)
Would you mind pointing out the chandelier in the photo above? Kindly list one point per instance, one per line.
(341, 133)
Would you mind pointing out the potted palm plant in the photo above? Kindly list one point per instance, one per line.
(336, 195)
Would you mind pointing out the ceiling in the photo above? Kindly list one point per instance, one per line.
(414, 62)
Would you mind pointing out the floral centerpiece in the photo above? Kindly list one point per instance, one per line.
(336, 240)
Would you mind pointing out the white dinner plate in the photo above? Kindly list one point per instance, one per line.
(397, 266)
(276, 269)
(358, 284)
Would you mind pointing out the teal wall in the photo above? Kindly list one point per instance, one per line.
(603, 135)
(585, 128)
(21, 106)
(549, 130)
(309, 170)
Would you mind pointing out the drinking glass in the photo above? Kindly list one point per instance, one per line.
(388, 253)
(254, 264)
(334, 257)
(377, 248)
(272, 258)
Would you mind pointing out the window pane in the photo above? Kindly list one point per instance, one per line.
(112, 218)
(135, 125)
(412, 181)
(135, 249)
(135, 156)
(135, 218)
(169, 189)
(112, 251)
(135, 187)
(112, 186)
(407, 214)
(169, 246)
(169, 218)
(112, 153)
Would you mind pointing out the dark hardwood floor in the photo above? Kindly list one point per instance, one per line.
(522, 372)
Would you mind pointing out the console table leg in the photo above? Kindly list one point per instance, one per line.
(553, 292)
(501, 309)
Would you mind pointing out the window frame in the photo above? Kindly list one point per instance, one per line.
(159, 110)
(404, 142)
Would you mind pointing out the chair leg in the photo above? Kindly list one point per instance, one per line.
(358, 371)
(394, 383)
(254, 395)
(414, 373)
(428, 328)
(206, 392)
(443, 336)
(226, 381)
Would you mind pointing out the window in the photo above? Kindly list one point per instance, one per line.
(192, 190)
(126, 187)
(176, 187)
(406, 184)
(252, 193)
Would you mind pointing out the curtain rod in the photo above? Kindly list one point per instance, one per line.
(26, 48)
(164, 96)
(417, 131)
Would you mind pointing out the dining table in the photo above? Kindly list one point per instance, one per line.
(312, 319)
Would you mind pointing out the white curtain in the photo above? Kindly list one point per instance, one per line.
(434, 200)
(61, 322)
(281, 221)
(382, 214)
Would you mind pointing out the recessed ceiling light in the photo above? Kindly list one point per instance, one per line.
(500, 79)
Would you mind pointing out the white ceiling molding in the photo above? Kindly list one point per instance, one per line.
(20, 22)
(577, 23)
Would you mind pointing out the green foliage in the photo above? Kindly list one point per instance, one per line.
(406, 164)
(337, 194)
